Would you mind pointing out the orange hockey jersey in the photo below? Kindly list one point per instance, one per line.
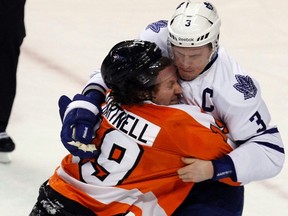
(140, 150)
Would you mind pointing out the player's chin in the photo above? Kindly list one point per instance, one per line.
(187, 75)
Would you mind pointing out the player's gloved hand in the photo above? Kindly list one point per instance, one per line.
(79, 118)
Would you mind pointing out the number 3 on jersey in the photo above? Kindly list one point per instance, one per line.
(257, 118)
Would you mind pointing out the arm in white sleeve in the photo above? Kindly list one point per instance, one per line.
(96, 83)
(260, 153)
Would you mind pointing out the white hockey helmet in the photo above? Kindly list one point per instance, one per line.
(194, 24)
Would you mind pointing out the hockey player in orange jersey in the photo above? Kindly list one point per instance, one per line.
(140, 142)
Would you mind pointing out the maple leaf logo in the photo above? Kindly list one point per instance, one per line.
(208, 5)
(156, 26)
(246, 86)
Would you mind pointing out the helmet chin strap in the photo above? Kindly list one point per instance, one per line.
(213, 54)
(169, 48)
(215, 48)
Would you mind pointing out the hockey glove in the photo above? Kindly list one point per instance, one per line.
(79, 118)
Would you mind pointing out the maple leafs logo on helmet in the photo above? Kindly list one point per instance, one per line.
(209, 5)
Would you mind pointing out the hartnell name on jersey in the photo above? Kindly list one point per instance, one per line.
(137, 128)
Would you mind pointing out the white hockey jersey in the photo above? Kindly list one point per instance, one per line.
(227, 92)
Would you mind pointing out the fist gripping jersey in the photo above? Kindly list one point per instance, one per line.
(140, 150)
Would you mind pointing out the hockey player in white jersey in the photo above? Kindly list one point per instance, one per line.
(215, 82)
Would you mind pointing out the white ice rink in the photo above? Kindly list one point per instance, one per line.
(67, 39)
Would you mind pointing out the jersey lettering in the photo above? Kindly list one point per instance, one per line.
(220, 129)
(257, 117)
(112, 165)
(139, 129)
(207, 93)
(188, 23)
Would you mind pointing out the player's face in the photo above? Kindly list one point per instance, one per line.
(168, 91)
(191, 61)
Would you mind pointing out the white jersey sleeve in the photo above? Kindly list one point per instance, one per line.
(95, 82)
(227, 92)
(157, 32)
